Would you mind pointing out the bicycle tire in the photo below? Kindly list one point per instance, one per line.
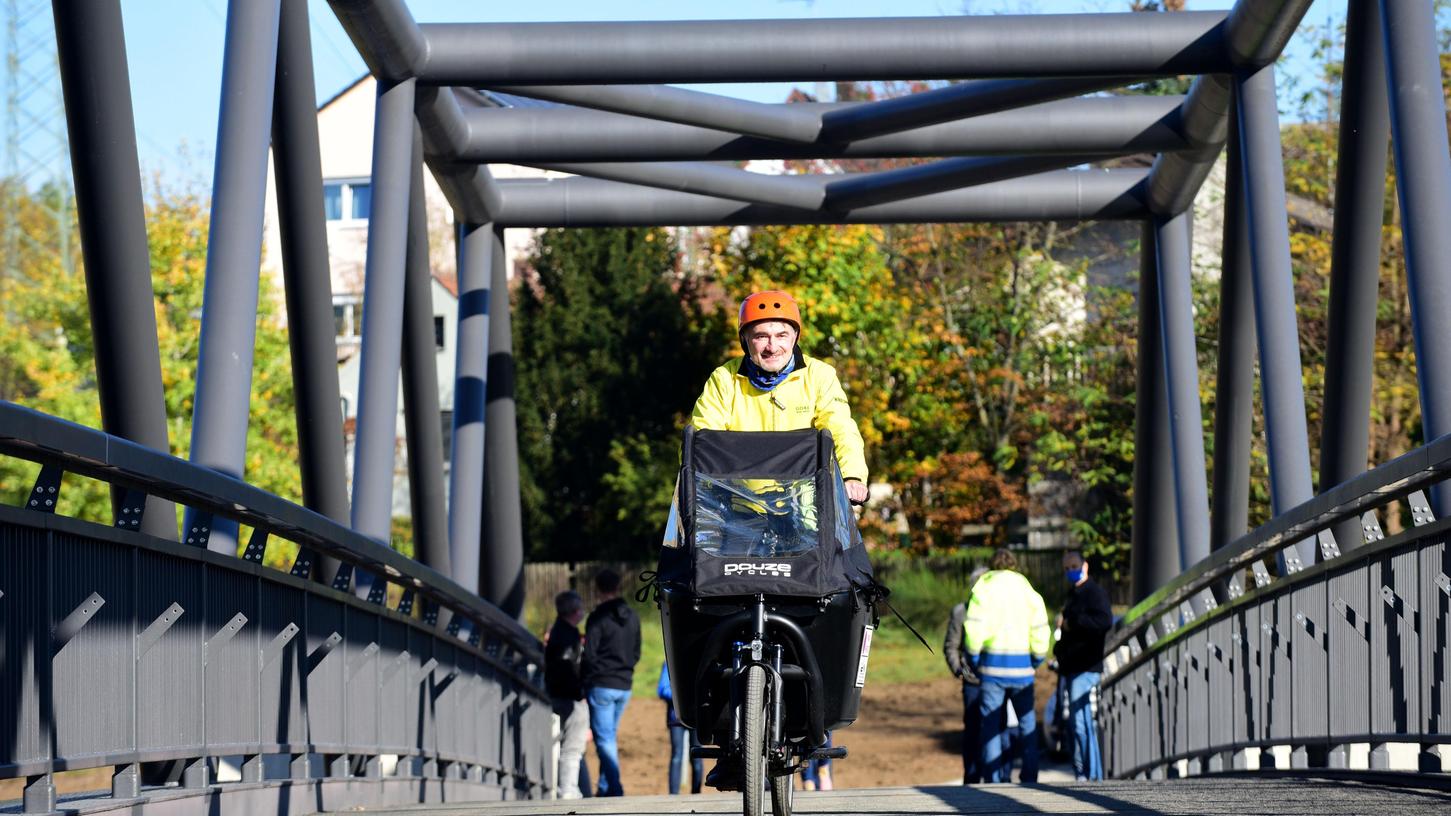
(782, 794)
(753, 743)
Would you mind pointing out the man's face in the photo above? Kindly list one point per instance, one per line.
(770, 343)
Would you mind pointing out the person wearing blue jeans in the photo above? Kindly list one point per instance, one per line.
(996, 767)
(606, 707)
(1082, 706)
(607, 671)
(1006, 637)
(681, 739)
(1082, 627)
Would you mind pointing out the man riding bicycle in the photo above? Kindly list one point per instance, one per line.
(776, 387)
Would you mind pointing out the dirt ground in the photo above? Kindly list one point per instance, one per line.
(906, 734)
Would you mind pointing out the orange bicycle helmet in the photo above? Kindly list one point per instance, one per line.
(770, 305)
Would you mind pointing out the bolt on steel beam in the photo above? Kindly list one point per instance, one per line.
(1019, 46)
(91, 54)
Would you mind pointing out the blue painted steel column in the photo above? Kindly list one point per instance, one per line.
(110, 209)
(471, 352)
(501, 567)
(1234, 386)
(1360, 188)
(234, 250)
(1423, 182)
(1181, 376)
(1155, 556)
(1281, 388)
(374, 452)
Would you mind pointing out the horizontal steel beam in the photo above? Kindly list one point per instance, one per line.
(793, 123)
(1062, 195)
(808, 50)
(1089, 126)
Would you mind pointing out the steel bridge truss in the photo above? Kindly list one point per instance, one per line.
(102, 619)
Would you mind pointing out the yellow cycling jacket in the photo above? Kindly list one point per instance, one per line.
(811, 397)
(1006, 630)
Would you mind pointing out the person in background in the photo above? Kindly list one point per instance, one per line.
(1084, 623)
(562, 651)
(954, 649)
(611, 650)
(1006, 637)
(678, 739)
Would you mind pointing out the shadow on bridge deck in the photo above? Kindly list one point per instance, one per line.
(1221, 795)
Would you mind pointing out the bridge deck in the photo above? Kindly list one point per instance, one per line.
(1312, 797)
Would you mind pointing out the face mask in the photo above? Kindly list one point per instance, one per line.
(1075, 575)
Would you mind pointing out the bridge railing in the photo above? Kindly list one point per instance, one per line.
(159, 658)
(1338, 665)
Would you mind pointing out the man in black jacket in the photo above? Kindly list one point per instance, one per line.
(611, 650)
(562, 652)
(1084, 623)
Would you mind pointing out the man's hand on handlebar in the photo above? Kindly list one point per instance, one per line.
(856, 491)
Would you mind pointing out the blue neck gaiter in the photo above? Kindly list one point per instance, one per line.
(763, 379)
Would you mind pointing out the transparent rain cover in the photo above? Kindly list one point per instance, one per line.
(755, 518)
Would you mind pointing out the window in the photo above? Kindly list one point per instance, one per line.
(347, 200)
(438, 332)
(755, 518)
(348, 317)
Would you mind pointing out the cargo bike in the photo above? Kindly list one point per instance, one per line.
(768, 606)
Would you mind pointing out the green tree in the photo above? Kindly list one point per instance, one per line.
(47, 351)
(613, 345)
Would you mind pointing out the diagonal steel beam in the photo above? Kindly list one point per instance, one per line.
(1057, 196)
(866, 189)
(972, 98)
(792, 123)
(800, 192)
(1088, 126)
(810, 50)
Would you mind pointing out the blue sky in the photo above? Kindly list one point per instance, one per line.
(175, 50)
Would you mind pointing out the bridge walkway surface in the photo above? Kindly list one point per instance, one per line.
(1220, 795)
